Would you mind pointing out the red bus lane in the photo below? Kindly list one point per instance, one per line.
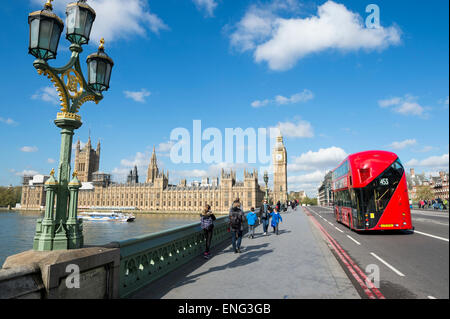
(366, 285)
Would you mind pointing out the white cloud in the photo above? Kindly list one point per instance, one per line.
(390, 102)
(308, 182)
(138, 96)
(208, 6)
(47, 94)
(434, 162)
(314, 177)
(282, 42)
(164, 148)
(323, 159)
(402, 144)
(29, 149)
(425, 149)
(50, 160)
(141, 160)
(300, 129)
(117, 19)
(258, 103)
(300, 97)
(8, 121)
(406, 106)
(27, 172)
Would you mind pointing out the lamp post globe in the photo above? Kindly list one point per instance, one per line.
(99, 69)
(79, 19)
(45, 32)
(266, 180)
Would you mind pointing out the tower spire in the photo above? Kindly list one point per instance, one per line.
(153, 171)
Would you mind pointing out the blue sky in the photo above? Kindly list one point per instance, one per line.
(313, 68)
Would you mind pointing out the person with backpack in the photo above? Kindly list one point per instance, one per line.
(207, 219)
(251, 220)
(276, 219)
(237, 218)
(265, 216)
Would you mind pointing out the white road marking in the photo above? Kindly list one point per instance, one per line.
(430, 214)
(388, 265)
(431, 297)
(429, 235)
(339, 229)
(354, 240)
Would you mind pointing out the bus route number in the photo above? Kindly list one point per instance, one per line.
(384, 181)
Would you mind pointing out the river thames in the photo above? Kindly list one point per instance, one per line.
(17, 229)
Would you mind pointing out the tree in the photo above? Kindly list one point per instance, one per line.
(309, 201)
(424, 192)
(9, 196)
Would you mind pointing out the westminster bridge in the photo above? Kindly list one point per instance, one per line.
(312, 257)
(169, 264)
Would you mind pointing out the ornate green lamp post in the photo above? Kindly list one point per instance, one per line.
(266, 180)
(60, 228)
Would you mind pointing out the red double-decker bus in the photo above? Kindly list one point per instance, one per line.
(370, 192)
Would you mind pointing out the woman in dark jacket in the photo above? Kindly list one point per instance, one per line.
(207, 224)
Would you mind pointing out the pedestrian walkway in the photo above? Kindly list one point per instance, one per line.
(295, 264)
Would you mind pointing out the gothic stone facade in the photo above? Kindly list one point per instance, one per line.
(156, 194)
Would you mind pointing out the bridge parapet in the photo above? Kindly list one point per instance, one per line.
(145, 259)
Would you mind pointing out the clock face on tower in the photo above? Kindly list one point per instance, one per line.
(279, 157)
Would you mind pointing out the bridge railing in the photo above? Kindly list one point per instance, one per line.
(147, 258)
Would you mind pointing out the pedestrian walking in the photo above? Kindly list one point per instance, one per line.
(265, 216)
(252, 218)
(276, 219)
(237, 219)
(207, 219)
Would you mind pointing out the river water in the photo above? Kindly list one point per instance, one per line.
(17, 229)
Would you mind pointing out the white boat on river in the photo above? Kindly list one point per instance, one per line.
(107, 216)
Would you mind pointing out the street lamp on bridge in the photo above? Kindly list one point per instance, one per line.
(60, 227)
(266, 180)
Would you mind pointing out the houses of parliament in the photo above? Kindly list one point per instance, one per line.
(156, 193)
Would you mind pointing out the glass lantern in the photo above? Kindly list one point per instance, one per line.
(80, 18)
(45, 31)
(99, 69)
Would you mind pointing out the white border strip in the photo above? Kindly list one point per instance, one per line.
(388, 265)
(437, 237)
(354, 240)
(338, 229)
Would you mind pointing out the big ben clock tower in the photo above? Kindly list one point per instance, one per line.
(279, 171)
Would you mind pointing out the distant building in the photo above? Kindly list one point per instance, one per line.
(33, 193)
(300, 195)
(439, 184)
(87, 160)
(325, 194)
(156, 194)
(133, 177)
(280, 191)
